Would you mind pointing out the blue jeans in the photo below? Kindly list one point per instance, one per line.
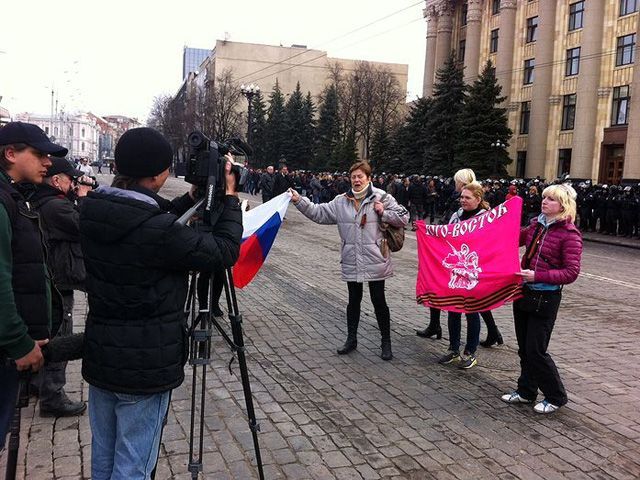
(473, 331)
(125, 432)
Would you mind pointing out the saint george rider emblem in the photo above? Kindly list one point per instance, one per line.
(464, 267)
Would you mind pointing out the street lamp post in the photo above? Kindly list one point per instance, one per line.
(497, 145)
(250, 91)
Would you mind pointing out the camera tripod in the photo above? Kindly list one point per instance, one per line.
(201, 323)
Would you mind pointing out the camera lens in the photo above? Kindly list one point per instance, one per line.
(195, 139)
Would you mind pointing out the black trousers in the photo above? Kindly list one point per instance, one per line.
(376, 291)
(534, 317)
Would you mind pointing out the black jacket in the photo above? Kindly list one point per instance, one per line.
(281, 184)
(60, 220)
(137, 259)
(30, 283)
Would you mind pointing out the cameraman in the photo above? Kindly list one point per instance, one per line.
(138, 260)
(55, 200)
(26, 295)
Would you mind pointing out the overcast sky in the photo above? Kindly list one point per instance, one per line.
(115, 57)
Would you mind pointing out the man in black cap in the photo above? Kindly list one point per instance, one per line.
(56, 200)
(25, 290)
(138, 259)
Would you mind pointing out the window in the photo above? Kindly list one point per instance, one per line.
(620, 107)
(493, 44)
(46, 130)
(82, 146)
(495, 7)
(532, 29)
(576, 15)
(568, 112)
(521, 163)
(71, 131)
(462, 46)
(525, 114)
(572, 66)
(564, 161)
(628, 6)
(82, 133)
(626, 50)
(463, 13)
(529, 69)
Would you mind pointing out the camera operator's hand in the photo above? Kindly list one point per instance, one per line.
(295, 196)
(34, 359)
(230, 176)
(83, 186)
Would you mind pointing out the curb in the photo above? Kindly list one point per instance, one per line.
(605, 241)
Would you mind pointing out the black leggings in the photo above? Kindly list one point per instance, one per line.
(376, 291)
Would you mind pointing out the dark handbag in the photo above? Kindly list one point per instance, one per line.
(392, 236)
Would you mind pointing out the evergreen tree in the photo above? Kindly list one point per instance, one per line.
(443, 122)
(483, 123)
(411, 142)
(381, 147)
(259, 134)
(308, 131)
(276, 127)
(295, 130)
(328, 131)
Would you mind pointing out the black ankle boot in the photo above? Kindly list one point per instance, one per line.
(386, 353)
(349, 346)
(430, 331)
(493, 337)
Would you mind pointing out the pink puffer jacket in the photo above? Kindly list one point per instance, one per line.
(557, 260)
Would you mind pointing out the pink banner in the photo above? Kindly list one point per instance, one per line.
(471, 266)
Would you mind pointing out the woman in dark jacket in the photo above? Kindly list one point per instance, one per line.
(551, 260)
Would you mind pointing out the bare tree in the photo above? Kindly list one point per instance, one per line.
(222, 106)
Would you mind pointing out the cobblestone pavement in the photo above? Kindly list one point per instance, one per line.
(325, 416)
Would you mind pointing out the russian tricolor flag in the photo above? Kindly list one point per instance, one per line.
(261, 226)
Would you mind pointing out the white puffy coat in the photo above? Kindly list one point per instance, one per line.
(360, 253)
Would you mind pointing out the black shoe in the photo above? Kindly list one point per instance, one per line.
(430, 331)
(386, 353)
(66, 409)
(348, 347)
(492, 340)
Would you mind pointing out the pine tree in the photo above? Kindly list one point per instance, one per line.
(328, 130)
(411, 142)
(259, 134)
(294, 129)
(483, 123)
(443, 122)
(276, 127)
(308, 131)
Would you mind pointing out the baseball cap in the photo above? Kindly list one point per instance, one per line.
(62, 165)
(32, 135)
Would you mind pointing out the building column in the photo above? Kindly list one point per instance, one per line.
(504, 62)
(430, 58)
(631, 169)
(584, 132)
(539, 120)
(445, 29)
(472, 48)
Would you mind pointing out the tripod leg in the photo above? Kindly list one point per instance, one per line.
(236, 330)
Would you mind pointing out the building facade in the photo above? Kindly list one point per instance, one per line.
(567, 70)
(192, 58)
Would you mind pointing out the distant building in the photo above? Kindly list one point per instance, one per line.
(567, 70)
(5, 116)
(192, 58)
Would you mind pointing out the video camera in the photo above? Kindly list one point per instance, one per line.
(206, 160)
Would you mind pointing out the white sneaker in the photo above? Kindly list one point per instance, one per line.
(514, 397)
(545, 407)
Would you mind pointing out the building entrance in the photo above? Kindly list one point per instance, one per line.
(612, 165)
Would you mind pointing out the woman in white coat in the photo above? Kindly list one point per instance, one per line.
(358, 214)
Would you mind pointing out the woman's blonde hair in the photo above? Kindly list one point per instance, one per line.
(464, 176)
(478, 192)
(566, 196)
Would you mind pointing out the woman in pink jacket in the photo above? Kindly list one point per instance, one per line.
(551, 260)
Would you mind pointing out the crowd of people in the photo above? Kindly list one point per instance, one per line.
(607, 209)
(123, 246)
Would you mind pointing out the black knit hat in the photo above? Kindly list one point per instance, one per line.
(142, 152)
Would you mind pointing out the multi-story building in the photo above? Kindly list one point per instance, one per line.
(567, 70)
(192, 58)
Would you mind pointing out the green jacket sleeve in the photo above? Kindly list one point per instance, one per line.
(14, 339)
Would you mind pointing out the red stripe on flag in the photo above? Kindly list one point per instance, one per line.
(249, 262)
